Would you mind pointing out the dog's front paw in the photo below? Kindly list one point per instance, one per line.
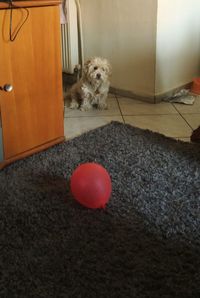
(85, 107)
(74, 105)
(102, 106)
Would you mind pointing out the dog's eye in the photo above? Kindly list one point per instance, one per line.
(95, 68)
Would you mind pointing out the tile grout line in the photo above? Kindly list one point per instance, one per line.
(120, 108)
(182, 117)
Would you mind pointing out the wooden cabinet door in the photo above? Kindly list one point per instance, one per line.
(32, 113)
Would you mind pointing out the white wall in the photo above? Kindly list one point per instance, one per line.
(178, 43)
(124, 31)
(153, 45)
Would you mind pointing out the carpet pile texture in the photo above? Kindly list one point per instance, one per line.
(146, 243)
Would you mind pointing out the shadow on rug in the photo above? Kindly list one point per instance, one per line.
(144, 244)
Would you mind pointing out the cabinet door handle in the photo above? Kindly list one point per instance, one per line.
(7, 87)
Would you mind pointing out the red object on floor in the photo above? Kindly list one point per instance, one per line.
(196, 86)
(91, 185)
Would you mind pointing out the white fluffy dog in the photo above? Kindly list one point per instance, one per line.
(92, 89)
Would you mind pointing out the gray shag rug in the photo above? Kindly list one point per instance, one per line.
(146, 243)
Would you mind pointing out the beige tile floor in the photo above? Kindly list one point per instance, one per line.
(173, 120)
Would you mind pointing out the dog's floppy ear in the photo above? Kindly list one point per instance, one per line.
(86, 66)
(108, 67)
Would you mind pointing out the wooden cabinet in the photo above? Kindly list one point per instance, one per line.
(31, 113)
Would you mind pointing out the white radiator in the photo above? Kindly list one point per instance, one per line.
(69, 32)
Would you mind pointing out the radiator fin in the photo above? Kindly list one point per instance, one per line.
(69, 39)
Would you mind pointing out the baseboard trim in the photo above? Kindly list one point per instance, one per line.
(154, 98)
(149, 98)
(163, 96)
(130, 94)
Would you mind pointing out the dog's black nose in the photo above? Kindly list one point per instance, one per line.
(98, 76)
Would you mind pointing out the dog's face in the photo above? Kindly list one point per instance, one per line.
(97, 70)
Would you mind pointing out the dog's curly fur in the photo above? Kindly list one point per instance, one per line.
(92, 89)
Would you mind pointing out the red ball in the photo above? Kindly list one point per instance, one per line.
(91, 185)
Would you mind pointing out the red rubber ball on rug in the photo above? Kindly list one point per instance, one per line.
(91, 185)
